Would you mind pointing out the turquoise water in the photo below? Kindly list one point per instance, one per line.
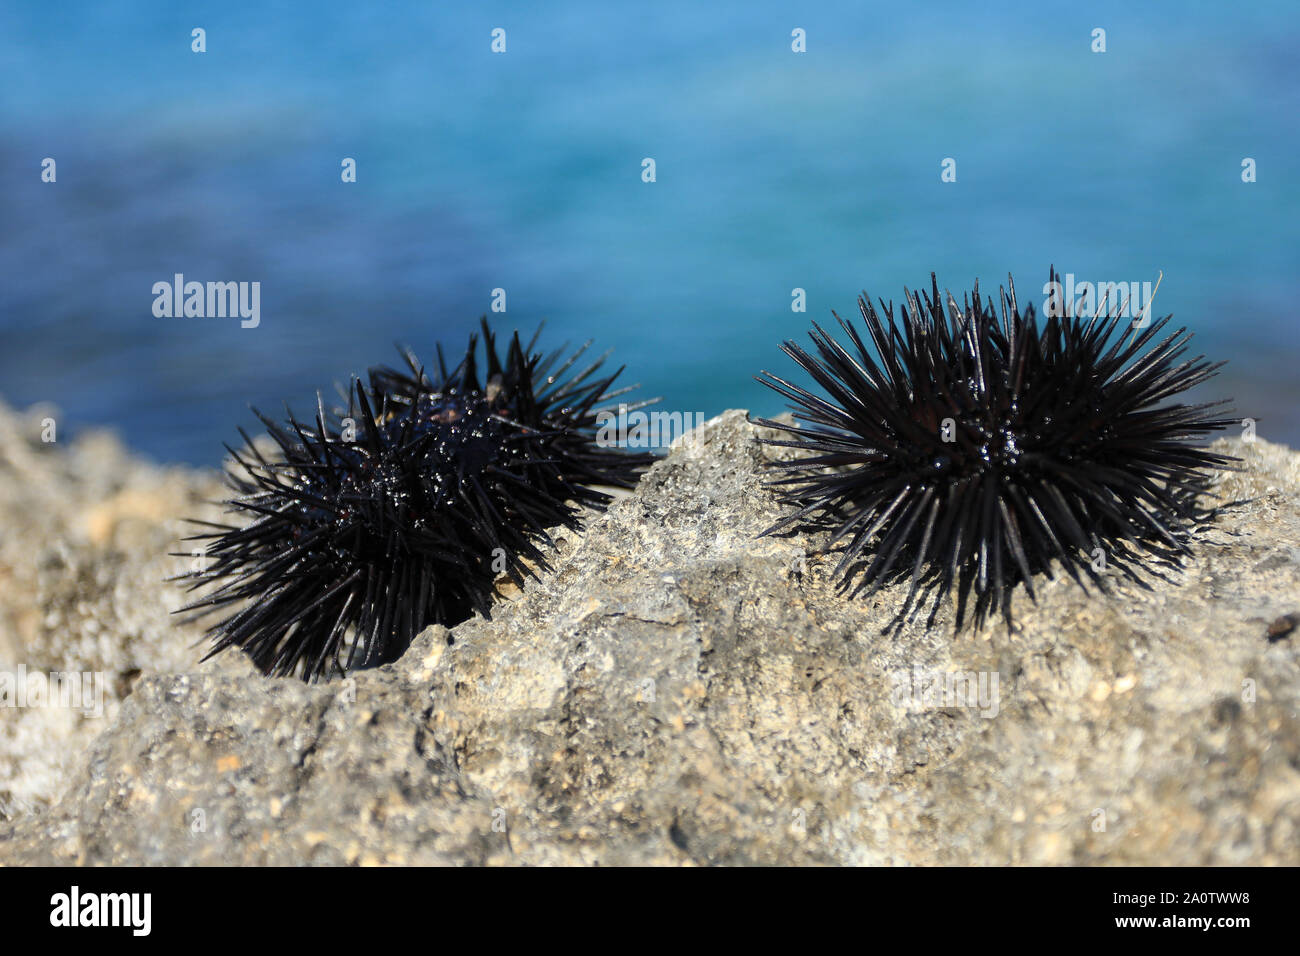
(523, 170)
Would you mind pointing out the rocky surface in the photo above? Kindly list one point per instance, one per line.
(676, 692)
(84, 533)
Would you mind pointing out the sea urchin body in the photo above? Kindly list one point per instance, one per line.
(407, 510)
(974, 450)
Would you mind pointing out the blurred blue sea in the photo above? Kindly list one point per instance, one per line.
(522, 170)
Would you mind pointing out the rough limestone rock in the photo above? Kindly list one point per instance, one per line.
(679, 691)
(85, 531)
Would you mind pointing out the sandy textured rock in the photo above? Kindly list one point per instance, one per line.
(85, 531)
(678, 691)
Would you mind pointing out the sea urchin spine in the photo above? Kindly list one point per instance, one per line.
(406, 511)
(977, 451)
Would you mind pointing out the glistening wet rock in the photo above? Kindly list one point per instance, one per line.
(679, 691)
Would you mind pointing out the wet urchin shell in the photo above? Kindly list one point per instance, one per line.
(363, 527)
(974, 450)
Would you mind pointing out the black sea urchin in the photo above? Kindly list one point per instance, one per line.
(405, 512)
(976, 451)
